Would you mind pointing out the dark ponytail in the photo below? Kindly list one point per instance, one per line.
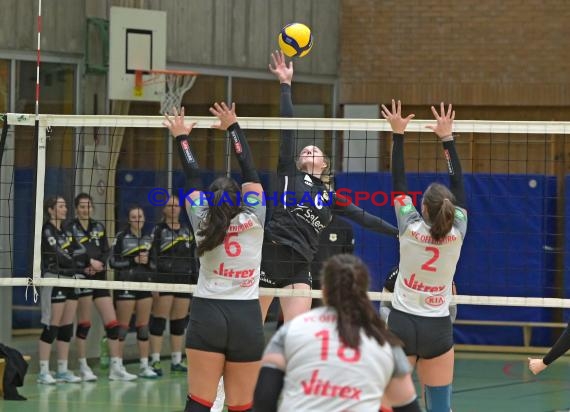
(223, 208)
(438, 201)
(345, 280)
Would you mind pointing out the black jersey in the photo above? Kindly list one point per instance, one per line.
(126, 247)
(93, 238)
(61, 254)
(173, 250)
(336, 238)
(304, 203)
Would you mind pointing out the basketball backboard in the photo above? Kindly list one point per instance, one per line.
(137, 43)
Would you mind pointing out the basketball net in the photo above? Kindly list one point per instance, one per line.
(175, 87)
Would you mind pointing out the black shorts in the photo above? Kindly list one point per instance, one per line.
(132, 294)
(96, 293)
(283, 266)
(59, 295)
(423, 336)
(231, 327)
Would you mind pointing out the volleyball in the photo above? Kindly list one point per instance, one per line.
(295, 40)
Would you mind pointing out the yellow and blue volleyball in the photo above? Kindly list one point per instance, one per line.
(295, 40)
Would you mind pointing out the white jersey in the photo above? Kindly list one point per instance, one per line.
(231, 269)
(423, 286)
(324, 375)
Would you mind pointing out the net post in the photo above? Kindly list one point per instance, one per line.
(39, 200)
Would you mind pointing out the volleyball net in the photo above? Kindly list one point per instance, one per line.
(514, 263)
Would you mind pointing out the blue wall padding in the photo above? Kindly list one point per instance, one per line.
(507, 251)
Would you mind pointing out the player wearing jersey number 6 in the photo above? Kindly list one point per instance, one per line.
(225, 332)
(339, 357)
(430, 245)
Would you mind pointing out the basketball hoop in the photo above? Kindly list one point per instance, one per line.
(176, 83)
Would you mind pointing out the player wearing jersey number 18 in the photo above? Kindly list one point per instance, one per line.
(430, 245)
(225, 332)
(339, 357)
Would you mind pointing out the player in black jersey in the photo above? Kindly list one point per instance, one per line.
(92, 235)
(173, 251)
(131, 258)
(62, 257)
(292, 233)
(537, 365)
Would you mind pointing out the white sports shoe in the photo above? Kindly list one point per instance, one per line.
(46, 379)
(148, 373)
(87, 375)
(67, 377)
(119, 373)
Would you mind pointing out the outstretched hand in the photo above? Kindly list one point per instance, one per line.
(444, 126)
(226, 115)
(395, 118)
(280, 68)
(176, 123)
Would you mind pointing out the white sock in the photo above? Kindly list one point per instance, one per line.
(61, 366)
(44, 366)
(116, 362)
(144, 363)
(176, 358)
(83, 364)
(155, 357)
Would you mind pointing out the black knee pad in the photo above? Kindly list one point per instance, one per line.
(123, 331)
(112, 330)
(83, 330)
(193, 405)
(177, 327)
(142, 333)
(49, 334)
(157, 326)
(65, 333)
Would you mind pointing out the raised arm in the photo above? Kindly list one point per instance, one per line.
(181, 132)
(398, 124)
(444, 130)
(242, 151)
(365, 219)
(284, 73)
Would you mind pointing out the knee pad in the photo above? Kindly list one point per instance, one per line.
(157, 326)
(438, 398)
(65, 333)
(83, 330)
(112, 330)
(49, 334)
(142, 333)
(177, 327)
(123, 330)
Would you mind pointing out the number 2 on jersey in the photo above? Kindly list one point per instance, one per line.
(428, 265)
(324, 335)
(233, 248)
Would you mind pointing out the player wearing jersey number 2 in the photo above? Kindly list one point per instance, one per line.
(430, 245)
(225, 332)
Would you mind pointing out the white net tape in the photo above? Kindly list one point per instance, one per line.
(175, 87)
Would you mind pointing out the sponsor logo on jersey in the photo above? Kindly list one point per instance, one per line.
(247, 283)
(51, 240)
(241, 227)
(412, 283)
(435, 300)
(305, 213)
(325, 388)
(406, 209)
(308, 181)
(333, 237)
(459, 214)
(231, 273)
